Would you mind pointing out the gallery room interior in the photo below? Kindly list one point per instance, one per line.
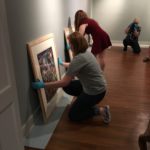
(42, 117)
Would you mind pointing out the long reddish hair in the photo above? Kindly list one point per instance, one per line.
(79, 16)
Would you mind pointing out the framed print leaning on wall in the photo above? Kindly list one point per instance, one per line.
(44, 61)
(67, 32)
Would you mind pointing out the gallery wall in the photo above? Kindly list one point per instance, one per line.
(28, 20)
(115, 15)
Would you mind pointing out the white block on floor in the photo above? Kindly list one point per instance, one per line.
(41, 133)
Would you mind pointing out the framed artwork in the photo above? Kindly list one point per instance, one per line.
(67, 32)
(44, 61)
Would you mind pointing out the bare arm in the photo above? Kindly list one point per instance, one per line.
(136, 33)
(126, 30)
(61, 83)
(66, 64)
(82, 28)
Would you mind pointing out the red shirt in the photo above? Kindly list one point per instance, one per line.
(101, 39)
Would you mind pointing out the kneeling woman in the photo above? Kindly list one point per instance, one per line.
(90, 88)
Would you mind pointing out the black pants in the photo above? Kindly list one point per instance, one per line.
(84, 106)
(133, 43)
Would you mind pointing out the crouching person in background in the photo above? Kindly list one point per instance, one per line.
(131, 39)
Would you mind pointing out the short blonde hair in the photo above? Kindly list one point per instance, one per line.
(78, 42)
(136, 20)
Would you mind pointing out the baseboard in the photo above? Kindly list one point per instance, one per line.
(41, 133)
(30, 122)
(143, 44)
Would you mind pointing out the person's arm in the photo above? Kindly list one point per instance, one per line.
(82, 28)
(65, 64)
(136, 33)
(61, 83)
(127, 30)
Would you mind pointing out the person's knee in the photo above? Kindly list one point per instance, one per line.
(124, 42)
(65, 89)
(73, 116)
(136, 48)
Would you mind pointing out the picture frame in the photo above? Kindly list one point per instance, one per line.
(67, 32)
(44, 61)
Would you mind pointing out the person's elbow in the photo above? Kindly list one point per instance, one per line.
(65, 83)
(66, 80)
(126, 30)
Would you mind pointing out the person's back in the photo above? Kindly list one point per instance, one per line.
(93, 27)
(89, 73)
(100, 38)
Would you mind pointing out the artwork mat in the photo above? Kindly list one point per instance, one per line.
(35, 47)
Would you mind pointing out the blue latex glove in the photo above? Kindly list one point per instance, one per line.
(60, 62)
(68, 47)
(38, 85)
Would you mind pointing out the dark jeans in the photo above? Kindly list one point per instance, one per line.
(133, 43)
(84, 106)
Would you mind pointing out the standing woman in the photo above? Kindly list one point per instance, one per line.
(101, 40)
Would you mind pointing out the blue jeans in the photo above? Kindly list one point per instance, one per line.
(84, 106)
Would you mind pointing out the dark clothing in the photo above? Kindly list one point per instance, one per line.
(84, 106)
(134, 44)
(131, 39)
(91, 88)
(88, 71)
(101, 39)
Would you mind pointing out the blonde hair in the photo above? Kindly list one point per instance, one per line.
(78, 43)
(79, 16)
(136, 20)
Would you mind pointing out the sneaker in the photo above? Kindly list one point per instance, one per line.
(146, 59)
(106, 114)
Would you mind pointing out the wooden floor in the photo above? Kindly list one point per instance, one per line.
(128, 95)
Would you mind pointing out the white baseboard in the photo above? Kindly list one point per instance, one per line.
(143, 44)
(30, 122)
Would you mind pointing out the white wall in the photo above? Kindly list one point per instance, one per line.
(115, 15)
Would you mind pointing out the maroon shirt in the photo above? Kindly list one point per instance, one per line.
(101, 39)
